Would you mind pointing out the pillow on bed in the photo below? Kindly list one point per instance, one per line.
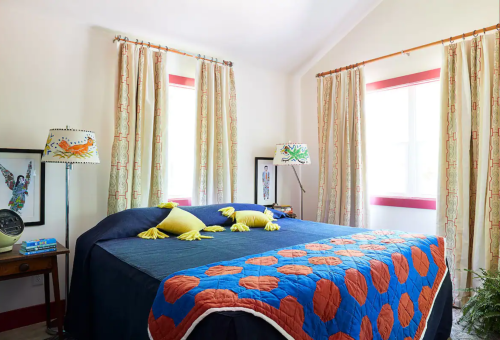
(250, 218)
(182, 223)
(210, 214)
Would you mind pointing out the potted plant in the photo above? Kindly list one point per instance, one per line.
(481, 314)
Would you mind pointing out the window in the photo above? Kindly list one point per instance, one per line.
(402, 124)
(181, 138)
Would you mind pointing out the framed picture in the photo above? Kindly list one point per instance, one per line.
(22, 184)
(266, 181)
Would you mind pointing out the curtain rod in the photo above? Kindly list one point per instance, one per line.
(451, 40)
(173, 50)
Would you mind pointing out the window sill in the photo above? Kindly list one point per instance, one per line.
(183, 202)
(404, 202)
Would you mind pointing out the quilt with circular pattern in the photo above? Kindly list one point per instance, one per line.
(373, 285)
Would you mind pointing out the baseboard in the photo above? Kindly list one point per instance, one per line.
(26, 316)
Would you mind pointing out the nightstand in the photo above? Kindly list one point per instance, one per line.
(13, 265)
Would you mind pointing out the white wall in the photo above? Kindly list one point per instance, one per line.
(392, 26)
(262, 114)
(55, 73)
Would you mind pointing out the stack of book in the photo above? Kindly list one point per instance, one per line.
(43, 245)
(287, 209)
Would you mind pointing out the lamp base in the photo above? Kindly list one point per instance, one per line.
(53, 331)
(65, 337)
(5, 249)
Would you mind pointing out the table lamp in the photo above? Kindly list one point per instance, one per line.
(70, 146)
(293, 154)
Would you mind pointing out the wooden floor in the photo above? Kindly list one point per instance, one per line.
(37, 332)
(32, 332)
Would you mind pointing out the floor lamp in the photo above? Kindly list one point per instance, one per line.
(69, 146)
(293, 154)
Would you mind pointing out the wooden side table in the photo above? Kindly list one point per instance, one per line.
(13, 265)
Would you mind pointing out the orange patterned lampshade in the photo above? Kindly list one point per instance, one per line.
(71, 146)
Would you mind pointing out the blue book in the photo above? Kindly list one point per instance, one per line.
(42, 241)
(44, 246)
(37, 251)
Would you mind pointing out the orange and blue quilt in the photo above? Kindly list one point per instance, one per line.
(373, 285)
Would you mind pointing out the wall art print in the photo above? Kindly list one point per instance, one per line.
(22, 184)
(266, 179)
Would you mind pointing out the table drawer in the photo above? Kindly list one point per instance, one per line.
(25, 266)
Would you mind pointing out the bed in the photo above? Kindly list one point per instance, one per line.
(116, 275)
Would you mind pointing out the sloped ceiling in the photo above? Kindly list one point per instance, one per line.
(278, 34)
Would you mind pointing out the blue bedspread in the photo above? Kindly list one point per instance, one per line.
(126, 224)
(378, 284)
(116, 275)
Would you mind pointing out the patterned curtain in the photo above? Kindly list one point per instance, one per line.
(467, 162)
(486, 230)
(138, 157)
(216, 163)
(342, 149)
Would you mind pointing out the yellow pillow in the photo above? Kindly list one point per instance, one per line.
(252, 218)
(180, 221)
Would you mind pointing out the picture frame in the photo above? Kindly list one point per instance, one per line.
(22, 184)
(266, 181)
